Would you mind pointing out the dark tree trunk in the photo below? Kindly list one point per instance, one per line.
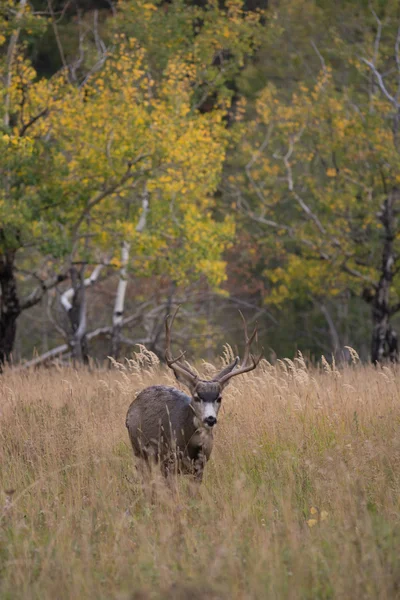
(9, 307)
(384, 338)
(116, 342)
(77, 317)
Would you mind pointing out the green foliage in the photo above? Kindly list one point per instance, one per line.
(215, 41)
(319, 163)
(77, 160)
(260, 132)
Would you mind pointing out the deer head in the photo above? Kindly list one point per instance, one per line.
(207, 394)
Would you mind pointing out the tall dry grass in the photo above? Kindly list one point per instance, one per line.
(301, 498)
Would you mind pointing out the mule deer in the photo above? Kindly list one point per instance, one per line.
(169, 427)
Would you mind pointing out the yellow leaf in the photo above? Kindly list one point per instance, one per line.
(312, 522)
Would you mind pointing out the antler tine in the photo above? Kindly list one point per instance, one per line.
(248, 340)
(174, 363)
(175, 360)
(227, 369)
(246, 366)
(245, 369)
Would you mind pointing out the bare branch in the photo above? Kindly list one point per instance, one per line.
(357, 274)
(382, 86)
(397, 57)
(100, 45)
(32, 121)
(74, 66)
(377, 37)
(64, 10)
(283, 227)
(261, 217)
(321, 58)
(100, 331)
(112, 7)
(46, 356)
(57, 37)
(304, 206)
(38, 293)
(107, 192)
(254, 159)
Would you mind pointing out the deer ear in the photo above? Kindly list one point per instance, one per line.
(224, 385)
(185, 378)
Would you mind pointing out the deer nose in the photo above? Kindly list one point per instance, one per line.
(210, 421)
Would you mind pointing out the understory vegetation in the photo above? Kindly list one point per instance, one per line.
(300, 498)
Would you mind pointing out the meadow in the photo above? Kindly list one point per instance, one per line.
(301, 497)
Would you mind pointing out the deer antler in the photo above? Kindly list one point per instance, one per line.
(174, 363)
(224, 377)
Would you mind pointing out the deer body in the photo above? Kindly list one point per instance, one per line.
(163, 426)
(174, 429)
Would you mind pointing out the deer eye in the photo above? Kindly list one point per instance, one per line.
(219, 399)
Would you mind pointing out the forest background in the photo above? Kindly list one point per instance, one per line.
(219, 155)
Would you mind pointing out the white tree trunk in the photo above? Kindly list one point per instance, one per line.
(67, 296)
(119, 305)
(122, 284)
(73, 301)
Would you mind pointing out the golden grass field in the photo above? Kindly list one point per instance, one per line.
(301, 497)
